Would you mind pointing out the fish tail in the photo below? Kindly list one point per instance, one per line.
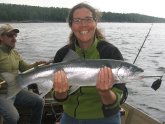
(8, 77)
(22, 80)
(12, 87)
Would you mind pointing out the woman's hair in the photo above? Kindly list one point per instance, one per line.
(95, 14)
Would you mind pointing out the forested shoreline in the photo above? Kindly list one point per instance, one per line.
(24, 13)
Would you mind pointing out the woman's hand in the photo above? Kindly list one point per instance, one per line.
(104, 80)
(104, 85)
(60, 85)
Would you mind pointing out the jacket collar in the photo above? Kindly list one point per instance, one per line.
(87, 51)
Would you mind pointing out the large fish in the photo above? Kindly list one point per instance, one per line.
(79, 72)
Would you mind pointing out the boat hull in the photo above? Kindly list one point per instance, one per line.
(133, 115)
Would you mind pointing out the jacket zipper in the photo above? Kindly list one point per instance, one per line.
(83, 53)
(77, 102)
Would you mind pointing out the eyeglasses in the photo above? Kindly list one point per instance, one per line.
(11, 35)
(85, 20)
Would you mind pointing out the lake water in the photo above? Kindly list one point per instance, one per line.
(40, 41)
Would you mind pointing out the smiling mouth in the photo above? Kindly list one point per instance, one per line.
(83, 32)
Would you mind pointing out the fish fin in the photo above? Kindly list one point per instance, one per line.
(44, 87)
(12, 87)
(71, 55)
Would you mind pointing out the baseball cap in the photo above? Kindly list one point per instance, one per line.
(6, 28)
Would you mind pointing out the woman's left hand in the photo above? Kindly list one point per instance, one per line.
(104, 85)
(105, 80)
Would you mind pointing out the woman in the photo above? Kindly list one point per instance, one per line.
(89, 105)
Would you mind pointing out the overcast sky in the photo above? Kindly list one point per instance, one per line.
(147, 7)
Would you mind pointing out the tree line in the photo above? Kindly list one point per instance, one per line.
(24, 13)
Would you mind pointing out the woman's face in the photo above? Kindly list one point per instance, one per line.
(83, 25)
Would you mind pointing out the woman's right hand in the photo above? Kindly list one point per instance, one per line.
(60, 85)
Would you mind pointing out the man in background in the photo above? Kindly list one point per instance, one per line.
(11, 62)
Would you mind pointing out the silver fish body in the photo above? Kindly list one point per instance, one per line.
(81, 72)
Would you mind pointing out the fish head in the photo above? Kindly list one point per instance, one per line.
(128, 73)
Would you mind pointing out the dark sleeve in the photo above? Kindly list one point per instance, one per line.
(116, 54)
(60, 54)
(109, 51)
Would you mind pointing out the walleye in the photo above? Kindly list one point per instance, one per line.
(79, 72)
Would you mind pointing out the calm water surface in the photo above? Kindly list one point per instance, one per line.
(40, 41)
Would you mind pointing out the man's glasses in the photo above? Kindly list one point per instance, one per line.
(85, 20)
(11, 35)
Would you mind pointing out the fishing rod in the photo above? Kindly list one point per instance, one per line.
(156, 84)
(143, 43)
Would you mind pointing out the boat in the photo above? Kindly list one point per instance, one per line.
(53, 111)
(132, 115)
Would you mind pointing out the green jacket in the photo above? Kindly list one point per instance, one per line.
(11, 61)
(86, 102)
